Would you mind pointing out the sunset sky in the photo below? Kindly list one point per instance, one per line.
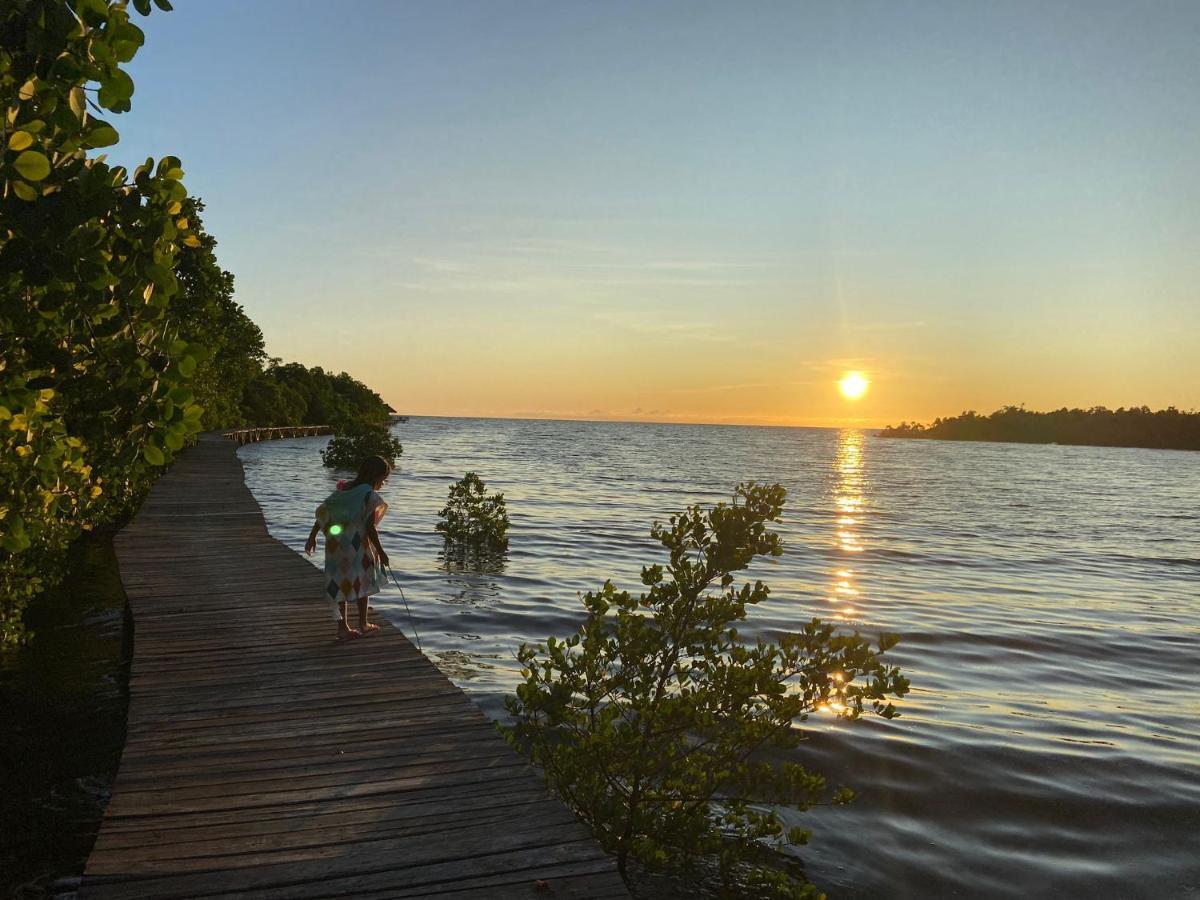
(699, 212)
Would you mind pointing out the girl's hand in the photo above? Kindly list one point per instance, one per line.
(310, 546)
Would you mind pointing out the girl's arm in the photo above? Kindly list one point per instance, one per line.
(373, 539)
(310, 545)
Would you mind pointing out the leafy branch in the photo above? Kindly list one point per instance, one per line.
(651, 719)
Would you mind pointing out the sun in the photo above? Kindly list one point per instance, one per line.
(853, 385)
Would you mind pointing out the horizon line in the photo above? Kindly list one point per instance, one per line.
(642, 422)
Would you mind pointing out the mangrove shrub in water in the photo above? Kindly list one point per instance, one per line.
(355, 441)
(649, 719)
(472, 519)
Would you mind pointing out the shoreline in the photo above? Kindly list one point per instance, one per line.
(995, 440)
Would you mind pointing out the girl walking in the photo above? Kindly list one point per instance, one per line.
(353, 554)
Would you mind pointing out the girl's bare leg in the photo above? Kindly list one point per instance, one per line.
(364, 626)
(344, 629)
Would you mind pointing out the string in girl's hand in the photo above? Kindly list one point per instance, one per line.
(395, 581)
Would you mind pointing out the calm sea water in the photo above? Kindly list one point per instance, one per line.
(1048, 600)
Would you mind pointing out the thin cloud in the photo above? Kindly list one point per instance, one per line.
(647, 322)
(885, 326)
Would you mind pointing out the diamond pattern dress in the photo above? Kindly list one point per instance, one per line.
(350, 569)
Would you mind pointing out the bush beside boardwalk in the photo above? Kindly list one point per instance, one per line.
(1166, 429)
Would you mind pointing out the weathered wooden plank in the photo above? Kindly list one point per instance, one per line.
(366, 864)
(358, 761)
(398, 742)
(308, 833)
(256, 820)
(263, 758)
(178, 794)
(437, 877)
(392, 730)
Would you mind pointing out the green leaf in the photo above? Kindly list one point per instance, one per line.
(171, 168)
(20, 140)
(32, 165)
(124, 51)
(115, 90)
(103, 135)
(200, 351)
(127, 31)
(164, 5)
(159, 274)
(78, 102)
(126, 40)
(24, 191)
(94, 12)
(187, 366)
(153, 455)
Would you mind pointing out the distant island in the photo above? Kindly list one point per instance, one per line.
(1166, 429)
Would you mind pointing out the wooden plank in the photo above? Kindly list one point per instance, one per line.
(263, 758)
(224, 849)
(367, 865)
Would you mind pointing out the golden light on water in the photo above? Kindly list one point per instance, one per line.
(849, 503)
(853, 385)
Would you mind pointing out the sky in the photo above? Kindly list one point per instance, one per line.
(699, 212)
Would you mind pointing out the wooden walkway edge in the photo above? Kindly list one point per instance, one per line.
(264, 759)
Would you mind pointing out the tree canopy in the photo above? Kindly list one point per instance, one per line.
(94, 380)
(237, 383)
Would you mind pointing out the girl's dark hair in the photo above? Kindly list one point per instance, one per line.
(370, 470)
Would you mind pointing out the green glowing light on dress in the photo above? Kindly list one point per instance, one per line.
(335, 530)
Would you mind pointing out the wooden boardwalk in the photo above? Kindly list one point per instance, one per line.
(264, 759)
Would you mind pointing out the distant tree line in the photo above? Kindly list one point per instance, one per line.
(238, 384)
(1139, 426)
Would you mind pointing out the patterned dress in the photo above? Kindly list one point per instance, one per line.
(350, 568)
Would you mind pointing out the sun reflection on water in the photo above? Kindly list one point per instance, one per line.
(849, 502)
(849, 487)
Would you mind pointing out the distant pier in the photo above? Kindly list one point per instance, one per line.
(252, 435)
(265, 759)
